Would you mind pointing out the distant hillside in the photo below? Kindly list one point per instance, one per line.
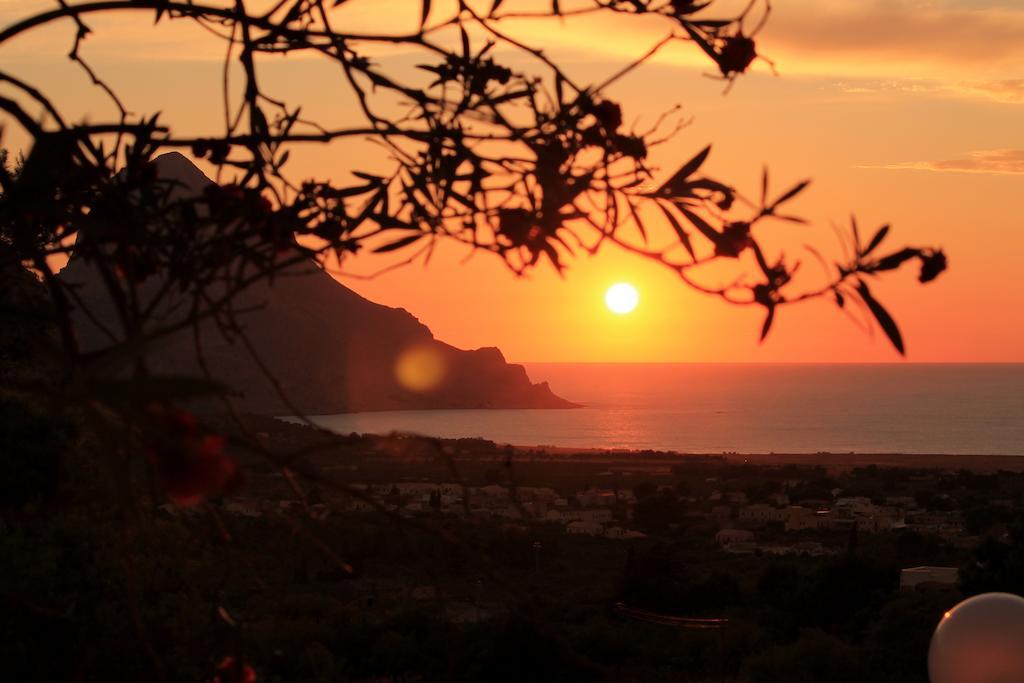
(329, 349)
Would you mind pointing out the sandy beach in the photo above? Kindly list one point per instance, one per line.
(973, 463)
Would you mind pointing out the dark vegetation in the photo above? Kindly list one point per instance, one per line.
(368, 595)
(99, 582)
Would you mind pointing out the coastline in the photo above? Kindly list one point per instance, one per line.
(973, 463)
(644, 458)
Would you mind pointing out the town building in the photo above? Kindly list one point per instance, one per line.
(585, 528)
(921, 578)
(728, 537)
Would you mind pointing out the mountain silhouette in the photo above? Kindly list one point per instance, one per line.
(327, 349)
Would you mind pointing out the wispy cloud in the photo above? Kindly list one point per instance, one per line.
(968, 48)
(1005, 91)
(899, 34)
(1010, 91)
(993, 161)
(946, 48)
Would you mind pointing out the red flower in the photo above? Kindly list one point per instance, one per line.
(190, 465)
(230, 671)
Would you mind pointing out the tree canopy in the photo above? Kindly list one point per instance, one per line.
(489, 143)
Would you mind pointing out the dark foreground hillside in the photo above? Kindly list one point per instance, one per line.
(349, 583)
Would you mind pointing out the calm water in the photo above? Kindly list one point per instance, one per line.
(961, 409)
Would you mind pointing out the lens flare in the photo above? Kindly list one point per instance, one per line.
(420, 368)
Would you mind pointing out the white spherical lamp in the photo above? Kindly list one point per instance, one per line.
(981, 640)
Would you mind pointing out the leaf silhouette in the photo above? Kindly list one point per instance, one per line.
(794, 191)
(425, 14)
(681, 233)
(701, 224)
(885, 320)
(398, 244)
(674, 184)
(700, 40)
(636, 219)
(790, 219)
(895, 260)
(768, 322)
(876, 240)
(708, 184)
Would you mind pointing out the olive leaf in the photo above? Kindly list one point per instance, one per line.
(885, 320)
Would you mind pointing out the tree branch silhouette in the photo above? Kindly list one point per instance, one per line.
(523, 163)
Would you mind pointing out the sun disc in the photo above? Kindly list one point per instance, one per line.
(621, 298)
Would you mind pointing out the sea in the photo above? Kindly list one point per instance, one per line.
(747, 408)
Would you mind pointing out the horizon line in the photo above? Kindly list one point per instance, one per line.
(768, 362)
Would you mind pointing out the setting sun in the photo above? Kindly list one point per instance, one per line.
(621, 298)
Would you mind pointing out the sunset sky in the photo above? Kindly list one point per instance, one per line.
(908, 112)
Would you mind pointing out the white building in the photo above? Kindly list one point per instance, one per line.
(811, 548)
(537, 493)
(598, 515)
(801, 518)
(510, 512)
(562, 516)
(494, 491)
(596, 497)
(761, 513)
(728, 537)
(721, 512)
(358, 505)
(878, 523)
(411, 488)
(619, 533)
(243, 507)
(587, 528)
(627, 497)
(913, 577)
(854, 506)
(946, 524)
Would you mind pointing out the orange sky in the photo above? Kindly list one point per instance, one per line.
(903, 111)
